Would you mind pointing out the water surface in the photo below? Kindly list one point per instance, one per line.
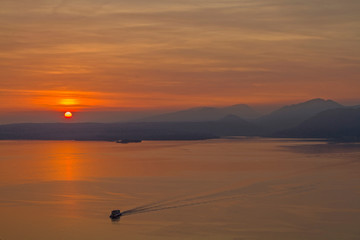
(253, 189)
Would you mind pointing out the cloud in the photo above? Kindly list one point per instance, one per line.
(204, 48)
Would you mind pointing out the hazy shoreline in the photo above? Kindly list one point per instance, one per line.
(245, 138)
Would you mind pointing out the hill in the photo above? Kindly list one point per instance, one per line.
(343, 123)
(202, 114)
(292, 115)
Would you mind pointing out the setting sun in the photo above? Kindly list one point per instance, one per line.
(68, 114)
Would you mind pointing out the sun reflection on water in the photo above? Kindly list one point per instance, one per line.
(65, 164)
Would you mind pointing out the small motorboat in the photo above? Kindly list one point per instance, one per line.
(115, 214)
(129, 141)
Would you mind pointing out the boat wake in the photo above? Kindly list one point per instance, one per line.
(259, 189)
(177, 203)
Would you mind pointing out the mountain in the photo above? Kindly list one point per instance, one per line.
(355, 107)
(231, 118)
(204, 114)
(343, 123)
(292, 115)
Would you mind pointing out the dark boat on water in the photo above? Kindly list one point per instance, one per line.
(129, 141)
(115, 214)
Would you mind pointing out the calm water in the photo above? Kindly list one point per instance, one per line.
(241, 189)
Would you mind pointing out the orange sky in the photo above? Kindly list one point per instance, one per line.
(157, 54)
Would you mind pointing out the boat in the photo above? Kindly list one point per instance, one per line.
(129, 141)
(115, 214)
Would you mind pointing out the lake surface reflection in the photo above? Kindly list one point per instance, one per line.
(214, 189)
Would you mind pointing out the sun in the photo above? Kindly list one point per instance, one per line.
(68, 114)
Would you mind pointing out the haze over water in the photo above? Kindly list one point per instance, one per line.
(262, 189)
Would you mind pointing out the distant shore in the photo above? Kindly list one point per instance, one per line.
(167, 131)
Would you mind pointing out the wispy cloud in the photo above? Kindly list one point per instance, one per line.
(184, 49)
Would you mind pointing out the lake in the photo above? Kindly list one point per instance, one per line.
(235, 188)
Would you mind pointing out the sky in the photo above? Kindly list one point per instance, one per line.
(151, 55)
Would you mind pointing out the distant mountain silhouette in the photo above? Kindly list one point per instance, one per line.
(201, 114)
(232, 118)
(335, 123)
(315, 118)
(292, 115)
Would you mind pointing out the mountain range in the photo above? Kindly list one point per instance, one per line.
(201, 114)
(335, 123)
(316, 118)
(283, 118)
(292, 115)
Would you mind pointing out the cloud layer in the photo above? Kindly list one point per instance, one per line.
(181, 53)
